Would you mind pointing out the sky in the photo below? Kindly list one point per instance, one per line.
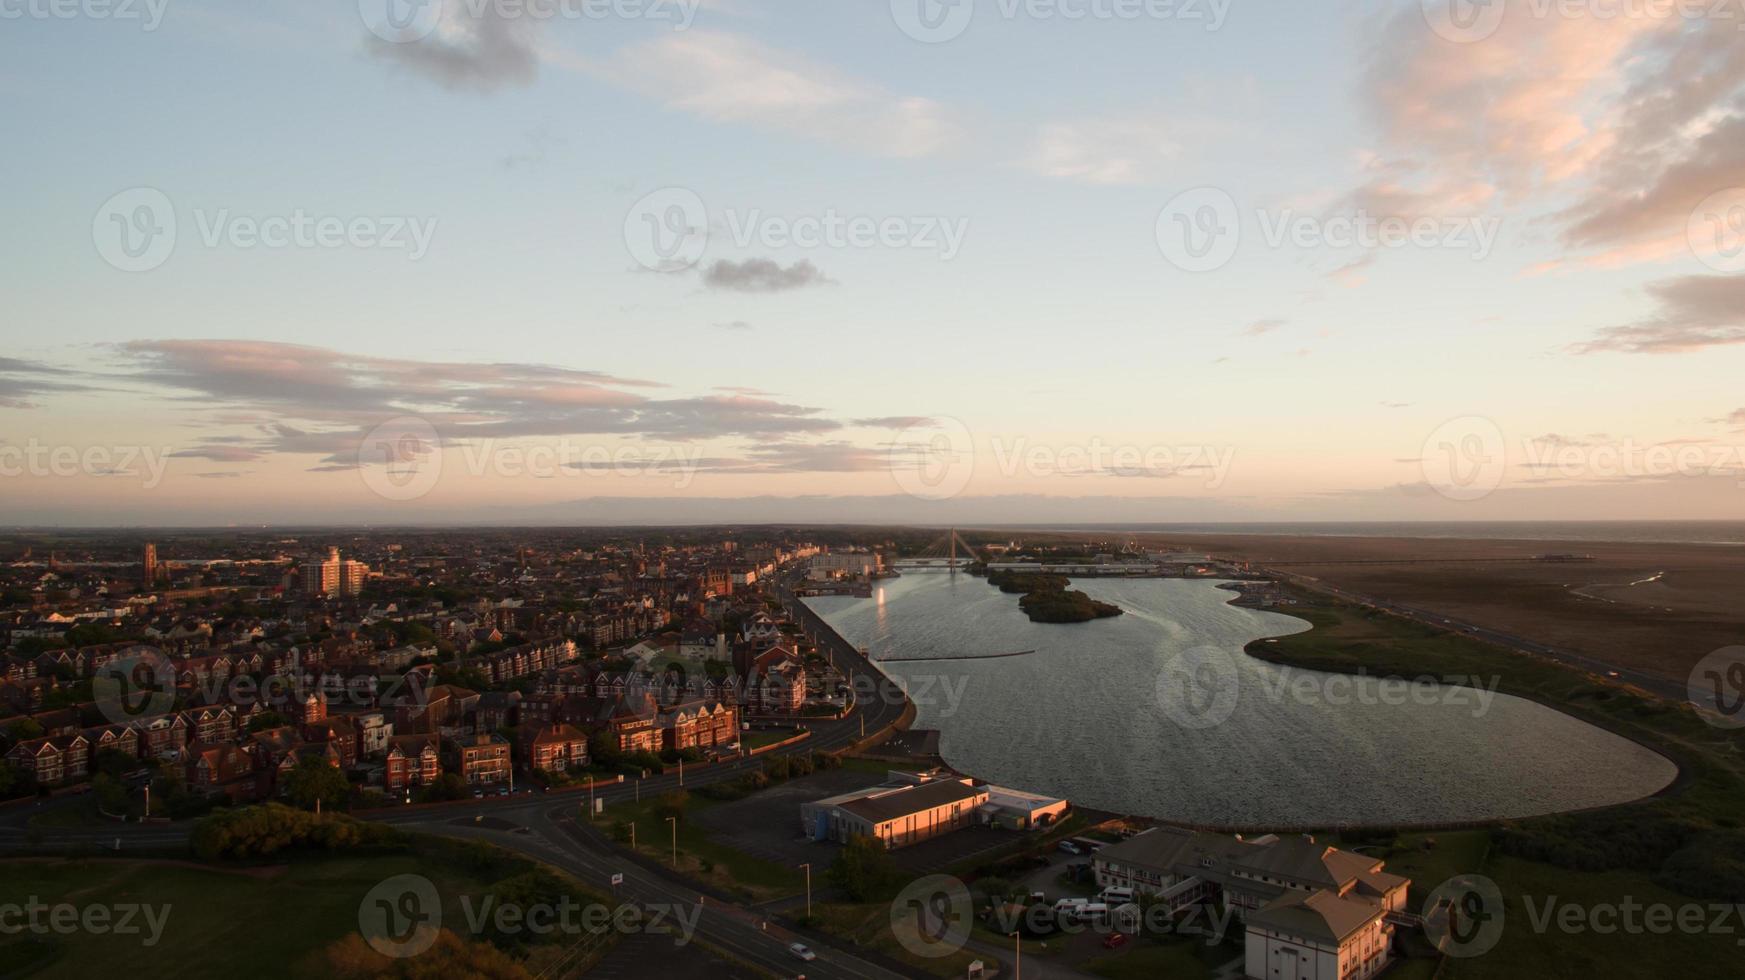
(996, 261)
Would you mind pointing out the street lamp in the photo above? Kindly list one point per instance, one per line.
(808, 869)
(1018, 957)
(675, 822)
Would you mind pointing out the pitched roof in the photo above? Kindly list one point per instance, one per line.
(1322, 915)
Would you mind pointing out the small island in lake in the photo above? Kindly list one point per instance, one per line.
(1046, 598)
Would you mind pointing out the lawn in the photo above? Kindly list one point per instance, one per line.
(869, 925)
(225, 920)
(699, 855)
(1145, 960)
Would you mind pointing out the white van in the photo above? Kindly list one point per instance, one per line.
(1117, 896)
(1070, 906)
(1093, 912)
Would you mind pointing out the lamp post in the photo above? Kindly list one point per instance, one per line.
(1018, 957)
(808, 869)
(675, 822)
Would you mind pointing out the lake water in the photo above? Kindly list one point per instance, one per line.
(1159, 712)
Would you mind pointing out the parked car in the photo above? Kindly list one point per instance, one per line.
(1115, 940)
(802, 951)
(1069, 847)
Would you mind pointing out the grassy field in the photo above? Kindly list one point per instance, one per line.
(1635, 851)
(869, 925)
(225, 921)
(700, 856)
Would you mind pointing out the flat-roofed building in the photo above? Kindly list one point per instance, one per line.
(897, 815)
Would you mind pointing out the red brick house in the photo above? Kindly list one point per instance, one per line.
(559, 748)
(412, 760)
(485, 759)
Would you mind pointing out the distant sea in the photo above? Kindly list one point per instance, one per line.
(1649, 532)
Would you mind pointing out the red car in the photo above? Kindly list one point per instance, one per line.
(1115, 940)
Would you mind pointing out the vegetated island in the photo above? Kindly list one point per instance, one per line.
(1046, 598)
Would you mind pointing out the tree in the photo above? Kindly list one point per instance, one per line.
(313, 779)
(114, 763)
(23, 730)
(448, 786)
(863, 870)
(352, 958)
(265, 720)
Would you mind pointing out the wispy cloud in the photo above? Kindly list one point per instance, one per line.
(762, 276)
(1694, 312)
